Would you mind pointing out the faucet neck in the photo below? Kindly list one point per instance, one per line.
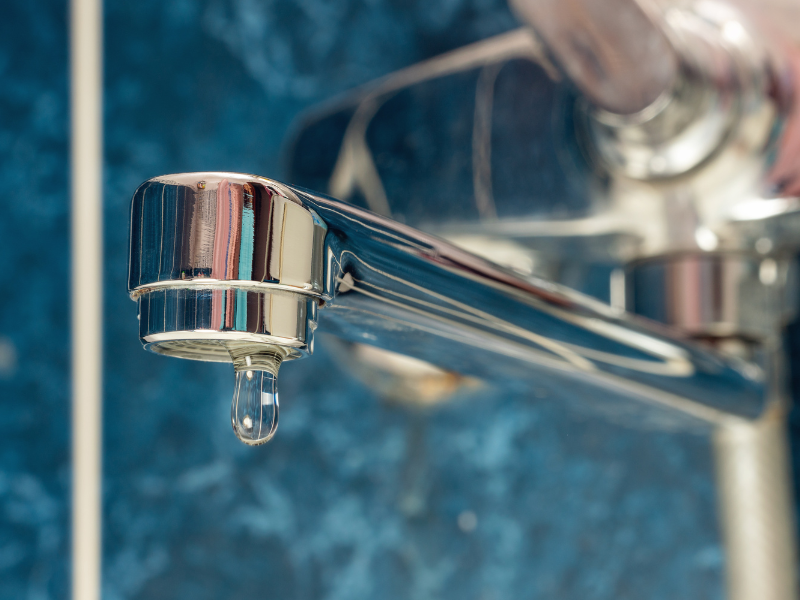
(256, 357)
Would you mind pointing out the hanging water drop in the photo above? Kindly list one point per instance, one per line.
(254, 409)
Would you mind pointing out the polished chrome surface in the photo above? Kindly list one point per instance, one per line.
(216, 228)
(386, 284)
(198, 323)
(218, 260)
(713, 296)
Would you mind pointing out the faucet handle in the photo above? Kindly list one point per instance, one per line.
(615, 51)
(671, 87)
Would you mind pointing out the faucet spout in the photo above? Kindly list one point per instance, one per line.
(224, 265)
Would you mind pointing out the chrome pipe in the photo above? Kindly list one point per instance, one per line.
(757, 508)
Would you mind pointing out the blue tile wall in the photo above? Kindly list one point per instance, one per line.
(357, 497)
(34, 336)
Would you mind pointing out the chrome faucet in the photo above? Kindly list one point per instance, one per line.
(242, 269)
(684, 149)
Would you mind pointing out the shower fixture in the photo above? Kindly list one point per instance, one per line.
(667, 166)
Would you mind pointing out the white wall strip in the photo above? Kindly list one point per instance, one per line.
(86, 52)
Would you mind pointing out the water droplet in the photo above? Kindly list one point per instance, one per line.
(254, 411)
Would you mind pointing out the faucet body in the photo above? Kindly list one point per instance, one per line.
(372, 280)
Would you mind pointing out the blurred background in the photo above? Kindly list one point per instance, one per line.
(487, 496)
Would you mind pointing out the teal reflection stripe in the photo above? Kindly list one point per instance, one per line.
(245, 266)
(248, 241)
(240, 317)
